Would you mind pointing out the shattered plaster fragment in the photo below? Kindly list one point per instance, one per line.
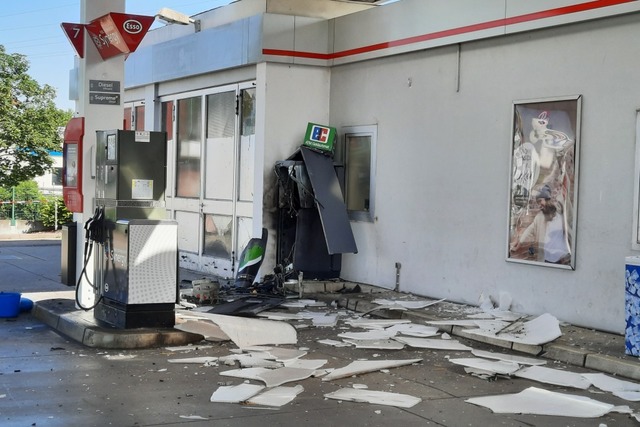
(376, 344)
(554, 376)
(278, 396)
(365, 366)
(610, 384)
(204, 360)
(508, 357)
(434, 344)
(208, 330)
(409, 305)
(374, 397)
(235, 393)
(334, 343)
(306, 363)
(375, 323)
(543, 402)
(246, 332)
(541, 330)
(496, 367)
(413, 330)
(246, 373)
(376, 334)
(276, 377)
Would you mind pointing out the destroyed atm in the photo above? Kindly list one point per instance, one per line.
(136, 266)
(313, 225)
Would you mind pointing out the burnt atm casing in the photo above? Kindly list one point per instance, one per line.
(140, 285)
(313, 225)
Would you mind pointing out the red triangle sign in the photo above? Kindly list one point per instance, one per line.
(118, 33)
(132, 28)
(75, 34)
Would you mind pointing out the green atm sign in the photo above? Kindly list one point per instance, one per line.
(320, 138)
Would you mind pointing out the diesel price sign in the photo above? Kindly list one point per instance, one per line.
(105, 92)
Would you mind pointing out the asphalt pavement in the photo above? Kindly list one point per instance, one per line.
(48, 378)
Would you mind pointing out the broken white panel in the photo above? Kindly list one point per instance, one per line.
(554, 376)
(210, 331)
(306, 363)
(433, 343)
(251, 360)
(334, 343)
(610, 384)
(235, 393)
(541, 330)
(508, 357)
(326, 320)
(465, 323)
(245, 373)
(374, 323)
(631, 396)
(246, 332)
(375, 397)
(494, 366)
(364, 366)
(507, 316)
(480, 373)
(278, 396)
(413, 330)
(276, 377)
(286, 354)
(376, 344)
(407, 304)
(374, 334)
(537, 401)
(204, 360)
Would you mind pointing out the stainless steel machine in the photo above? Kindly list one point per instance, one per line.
(136, 265)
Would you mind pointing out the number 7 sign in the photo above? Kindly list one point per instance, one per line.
(75, 34)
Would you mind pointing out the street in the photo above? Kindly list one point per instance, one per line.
(49, 380)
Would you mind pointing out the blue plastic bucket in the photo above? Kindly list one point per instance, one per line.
(9, 304)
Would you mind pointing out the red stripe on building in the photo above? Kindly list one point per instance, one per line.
(560, 11)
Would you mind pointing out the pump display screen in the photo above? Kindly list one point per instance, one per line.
(111, 147)
(71, 165)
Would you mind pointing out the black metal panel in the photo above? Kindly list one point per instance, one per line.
(330, 203)
(311, 255)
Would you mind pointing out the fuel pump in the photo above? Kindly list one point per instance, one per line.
(136, 263)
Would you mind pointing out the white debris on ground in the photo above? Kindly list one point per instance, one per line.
(261, 360)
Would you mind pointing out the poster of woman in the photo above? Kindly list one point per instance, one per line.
(544, 180)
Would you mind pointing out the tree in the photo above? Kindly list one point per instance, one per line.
(29, 122)
(53, 212)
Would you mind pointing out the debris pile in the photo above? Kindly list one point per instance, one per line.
(273, 371)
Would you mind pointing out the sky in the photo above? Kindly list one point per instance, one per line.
(32, 28)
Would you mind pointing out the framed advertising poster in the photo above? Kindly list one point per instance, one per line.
(545, 144)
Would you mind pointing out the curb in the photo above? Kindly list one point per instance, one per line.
(62, 316)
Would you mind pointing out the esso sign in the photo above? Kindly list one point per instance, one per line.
(132, 26)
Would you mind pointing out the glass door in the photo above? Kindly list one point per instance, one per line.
(213, 178)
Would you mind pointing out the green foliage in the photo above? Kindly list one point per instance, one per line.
(29, 122)
(28, 201)
(48, 217)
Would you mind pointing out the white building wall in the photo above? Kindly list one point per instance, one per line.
(443, 166)
(289, 97)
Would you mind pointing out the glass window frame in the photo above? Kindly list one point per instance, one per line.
(343, 155)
